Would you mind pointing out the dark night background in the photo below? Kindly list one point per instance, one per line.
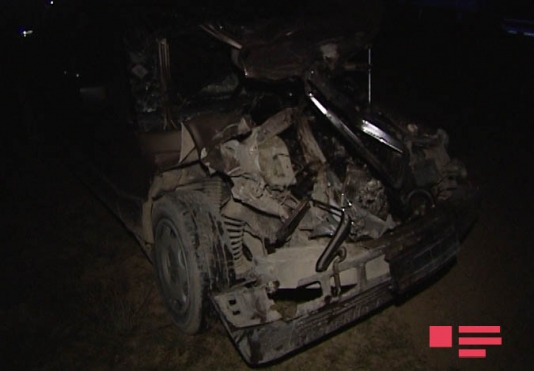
(77, 292)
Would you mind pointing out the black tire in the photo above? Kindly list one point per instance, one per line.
(190, 258)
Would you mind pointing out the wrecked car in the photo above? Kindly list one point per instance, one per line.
(265, 188)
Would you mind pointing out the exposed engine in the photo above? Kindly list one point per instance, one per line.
(287, 188)
(306, 208)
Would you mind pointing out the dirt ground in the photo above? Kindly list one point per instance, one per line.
(78, 293)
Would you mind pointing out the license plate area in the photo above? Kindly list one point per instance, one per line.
(423, 259)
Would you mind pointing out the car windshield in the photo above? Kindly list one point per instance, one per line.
(197, 62)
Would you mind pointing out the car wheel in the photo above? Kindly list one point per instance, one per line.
(185, 246)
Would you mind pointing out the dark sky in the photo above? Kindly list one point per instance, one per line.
(17, 14)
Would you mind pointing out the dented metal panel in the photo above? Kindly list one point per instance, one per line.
(326, 208)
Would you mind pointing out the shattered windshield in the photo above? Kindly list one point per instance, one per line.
(197, 61)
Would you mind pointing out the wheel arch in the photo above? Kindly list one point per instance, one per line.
(216, 254)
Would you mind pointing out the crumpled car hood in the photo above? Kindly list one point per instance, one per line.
(275, 49)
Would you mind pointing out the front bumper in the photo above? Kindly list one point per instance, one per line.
(413, 252)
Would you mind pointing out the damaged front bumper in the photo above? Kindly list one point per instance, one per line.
(379, 270)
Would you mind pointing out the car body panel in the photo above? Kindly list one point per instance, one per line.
(320, 195)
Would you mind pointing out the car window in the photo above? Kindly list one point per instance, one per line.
(200, 63)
